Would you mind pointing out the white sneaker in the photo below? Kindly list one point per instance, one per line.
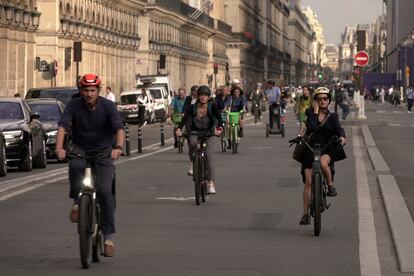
(190, 169)
(211, 189)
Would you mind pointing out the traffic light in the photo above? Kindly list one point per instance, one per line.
(215, 68)
(320, 75)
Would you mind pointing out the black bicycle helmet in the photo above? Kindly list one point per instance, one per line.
(204, 89)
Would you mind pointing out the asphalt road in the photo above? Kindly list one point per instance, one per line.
(393, 132)
(250, 227)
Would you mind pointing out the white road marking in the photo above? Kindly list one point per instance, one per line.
(381, 111)
(57, 176)
(368, 250)
(397, 112)
(253, 124)
(176, 198)
(394, 125)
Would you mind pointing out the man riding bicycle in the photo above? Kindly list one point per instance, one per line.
(177, 107)
(318, 114)
(93, 121)
(201, 120)
(273, 98)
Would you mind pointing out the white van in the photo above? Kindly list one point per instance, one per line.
(161, 103)
(155, 81)
(128, 108)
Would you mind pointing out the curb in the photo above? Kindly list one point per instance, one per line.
(401, 223)
(399, 218)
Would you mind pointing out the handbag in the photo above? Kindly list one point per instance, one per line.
(300, 149)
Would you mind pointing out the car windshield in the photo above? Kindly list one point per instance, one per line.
(11, 111)
(47, 112)
(156, 93)
(62, 95)
(129, 99)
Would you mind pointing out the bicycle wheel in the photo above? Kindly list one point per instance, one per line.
(180, 145)
(197, 178)
(234, 140)
(84, 228)
(317, 207)
(97, 244)
(282, 130)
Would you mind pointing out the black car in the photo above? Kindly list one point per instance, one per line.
(49, 111)
(23, 133)
(63, 94)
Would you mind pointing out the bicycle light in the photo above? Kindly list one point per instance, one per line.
(87, 181)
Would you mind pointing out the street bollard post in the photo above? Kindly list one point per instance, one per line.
(127, 141)
(162, 132)
(139, 138)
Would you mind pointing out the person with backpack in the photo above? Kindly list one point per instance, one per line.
(342, 100)
(202, 119)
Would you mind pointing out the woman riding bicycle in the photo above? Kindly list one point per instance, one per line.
(321, 135)
(201, 120)
(237, 103)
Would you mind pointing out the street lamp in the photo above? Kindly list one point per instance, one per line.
(36, 18)
(65, 25)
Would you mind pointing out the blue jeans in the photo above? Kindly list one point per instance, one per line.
(345, 110)
(104, 171)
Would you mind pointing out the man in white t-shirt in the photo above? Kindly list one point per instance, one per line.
(109, 94)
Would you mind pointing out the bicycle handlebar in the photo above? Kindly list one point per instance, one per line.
(300, 139)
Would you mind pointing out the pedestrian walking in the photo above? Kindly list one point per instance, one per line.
(396, 94)
(343, 101)
(109, 94)
(410, 97)
(382, 95)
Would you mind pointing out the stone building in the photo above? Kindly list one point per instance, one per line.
(120, 39)
(300, 39)
(378, 44)
(258, 48)
(347, 50)
(332, 58)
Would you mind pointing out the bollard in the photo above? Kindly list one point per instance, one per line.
(139, 138)
(162, 132)
(127, 142)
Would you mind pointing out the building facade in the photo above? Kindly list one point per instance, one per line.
(378, 43)
(120, 40)
(258, 48)
(332, 58)
(347, 50)
(300, 40)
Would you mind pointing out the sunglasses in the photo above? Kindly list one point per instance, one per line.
(322, 98)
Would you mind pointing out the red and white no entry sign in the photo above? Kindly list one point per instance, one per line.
(361, 58)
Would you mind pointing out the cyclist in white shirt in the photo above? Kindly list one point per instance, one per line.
(109, 94)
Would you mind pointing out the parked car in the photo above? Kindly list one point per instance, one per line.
(3, 162)
(63, 94)
(128, 108)
(49, 111)
(24, 135)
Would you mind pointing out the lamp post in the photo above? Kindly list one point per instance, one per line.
(65, 25)
(27, 15)
(18, 14)
(9, 9)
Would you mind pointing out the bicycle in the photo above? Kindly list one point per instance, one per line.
(223, 137)
(318, 202)
(176, 117)
(279, 120)
(90, 217)
(234, 129)
(200, 176)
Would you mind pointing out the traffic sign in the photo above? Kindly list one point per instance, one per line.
(362, 58)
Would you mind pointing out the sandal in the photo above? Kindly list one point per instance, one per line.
(304, 220)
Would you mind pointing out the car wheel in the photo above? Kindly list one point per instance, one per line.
(26, 164)
(40, 159)
(3, 159)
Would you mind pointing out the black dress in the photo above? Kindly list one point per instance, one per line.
(332, 127)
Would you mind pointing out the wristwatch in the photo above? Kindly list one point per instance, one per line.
(118, 147)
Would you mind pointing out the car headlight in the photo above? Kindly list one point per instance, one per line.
(52, 133)
(10, 134)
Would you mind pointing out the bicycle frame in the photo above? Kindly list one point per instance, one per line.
(199, 170)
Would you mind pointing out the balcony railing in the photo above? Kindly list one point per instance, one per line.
(183, 9)
(223, 27)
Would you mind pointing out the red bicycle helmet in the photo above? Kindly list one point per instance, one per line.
(89, 80)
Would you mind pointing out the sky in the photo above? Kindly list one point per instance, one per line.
(335, 15)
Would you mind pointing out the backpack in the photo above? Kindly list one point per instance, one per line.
(209, 109)
(339, 96)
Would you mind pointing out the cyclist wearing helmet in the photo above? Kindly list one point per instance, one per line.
(93, 121)
(315, 116)
(202, 119)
